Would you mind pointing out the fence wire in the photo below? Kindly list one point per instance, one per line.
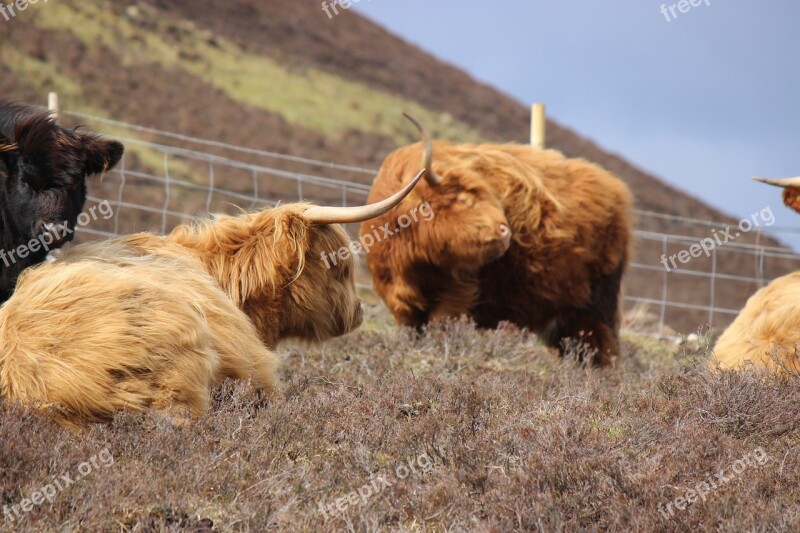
(157, 186)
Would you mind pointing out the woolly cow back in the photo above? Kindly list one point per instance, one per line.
(123, 331)
(767, 331)
(521, 235)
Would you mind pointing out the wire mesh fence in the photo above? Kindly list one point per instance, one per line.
(158, 185)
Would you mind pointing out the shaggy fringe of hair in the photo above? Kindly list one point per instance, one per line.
(232, 248)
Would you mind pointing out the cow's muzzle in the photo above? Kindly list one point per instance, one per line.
(52, 234)
(501, 242)
(505, 236)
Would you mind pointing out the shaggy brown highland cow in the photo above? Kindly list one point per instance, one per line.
(148, 321)
(522, 235)
(767, 331)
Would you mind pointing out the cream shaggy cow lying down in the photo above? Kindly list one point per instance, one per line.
(767, 331)
(125, 332)
(148, 321)
(768, 328)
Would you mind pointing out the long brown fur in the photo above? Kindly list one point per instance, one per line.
(767, 331)
(561, 275)
(146, 321)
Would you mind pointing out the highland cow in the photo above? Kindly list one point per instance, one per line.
(791, 190)
(767, 331)
(519, 235)
(44, 169)
(147, 321)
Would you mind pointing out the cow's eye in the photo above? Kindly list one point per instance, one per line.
(464, 199)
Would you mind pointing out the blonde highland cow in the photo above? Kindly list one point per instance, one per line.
(148, 321)
(767, 331)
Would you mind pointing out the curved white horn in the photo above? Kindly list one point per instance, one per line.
(785, 182)
(345, 215)
(427, 157)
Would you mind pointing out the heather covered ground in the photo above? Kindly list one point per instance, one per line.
(457, 429)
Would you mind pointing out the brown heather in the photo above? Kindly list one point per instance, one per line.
(520, 441)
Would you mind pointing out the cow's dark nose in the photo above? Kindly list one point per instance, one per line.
(505, 235)
(52, 233)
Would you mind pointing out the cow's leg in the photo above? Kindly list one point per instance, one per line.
(597, 324)
(447, 309)
(586, 327)
(242, 354)
(254, 362)
(181, 388)
(406, 304)
(456, 297)
(265, 364)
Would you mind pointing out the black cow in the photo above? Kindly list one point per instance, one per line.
(44, 169)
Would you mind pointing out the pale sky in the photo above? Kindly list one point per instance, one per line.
(703, 101)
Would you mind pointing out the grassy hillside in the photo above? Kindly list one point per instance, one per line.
(307, 97)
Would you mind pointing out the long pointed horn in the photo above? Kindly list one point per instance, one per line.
(427, 158)
(6, 145)
(786, 182)
(345, 215)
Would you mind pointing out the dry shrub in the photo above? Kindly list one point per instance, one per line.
(518, 439)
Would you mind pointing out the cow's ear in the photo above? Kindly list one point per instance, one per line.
(101, 154)
(293, 231)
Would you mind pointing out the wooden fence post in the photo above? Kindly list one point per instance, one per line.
(538, 123)
(53, 105)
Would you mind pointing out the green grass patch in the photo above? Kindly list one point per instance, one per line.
(310, 98)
